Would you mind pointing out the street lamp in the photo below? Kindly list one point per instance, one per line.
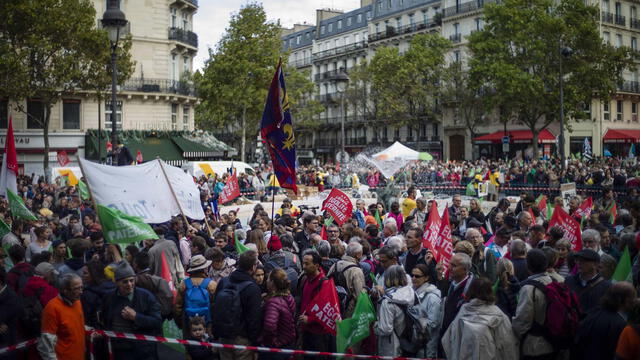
(341, 81)
(565, 52)
(113, 20)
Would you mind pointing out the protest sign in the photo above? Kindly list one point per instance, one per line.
(231, 190)
(338, 205)
(570, 226)
(324, 308)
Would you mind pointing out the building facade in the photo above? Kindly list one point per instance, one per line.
(158, 96)
(611, 127)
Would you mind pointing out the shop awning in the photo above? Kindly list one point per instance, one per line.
(621, 136)
(151, 148)
(192, 149)
(517, 137)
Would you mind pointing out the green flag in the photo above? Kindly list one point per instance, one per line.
(471, 191)
(83, 190)
(18, 209)
(623, 270)
(4, 228)
(378, 219)
(353, 330)
(549, 211)
(328, 221)
(494, 288)
(240, 248)
(121, 228)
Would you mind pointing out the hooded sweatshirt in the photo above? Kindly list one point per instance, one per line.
(391, 319)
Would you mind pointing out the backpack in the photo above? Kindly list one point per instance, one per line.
(340, 281)
(414, 336)
(228, 320)
(288, 267)
(32, 313)
(196, 299)
(562, 316)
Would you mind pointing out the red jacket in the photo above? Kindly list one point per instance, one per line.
(13, 276)
(279, 326)
(34, 284)
(310, 288)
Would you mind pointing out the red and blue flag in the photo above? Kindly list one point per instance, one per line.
(276, 130)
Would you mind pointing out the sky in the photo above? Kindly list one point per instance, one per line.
(213, 17)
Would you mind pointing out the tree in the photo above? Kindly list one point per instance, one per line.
(466, 101)
(236, 77)
(50, 48)
(301, 90)
(407, 85)
(518, 56)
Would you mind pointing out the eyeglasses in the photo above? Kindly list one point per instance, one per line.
(417, 276)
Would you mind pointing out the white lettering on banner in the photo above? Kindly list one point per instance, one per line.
(327, 314)
(338, 205)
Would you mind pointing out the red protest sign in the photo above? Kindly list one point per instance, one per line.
(63, 158)
(231, 190)
(324, 308)
(432, 229)
(443, 243)
(570, 226)
(584, 210)
(338, 205)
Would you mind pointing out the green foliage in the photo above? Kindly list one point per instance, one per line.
(465, 101)
(407, 85)
(518, 56)
(301, 91)
(50, 48)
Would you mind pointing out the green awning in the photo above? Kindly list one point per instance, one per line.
(192, 149)
(151, 148)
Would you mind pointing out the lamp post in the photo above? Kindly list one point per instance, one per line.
(565, 52)
(341, 81)
(113, 20)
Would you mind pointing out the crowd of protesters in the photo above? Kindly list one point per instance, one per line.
(514, 288)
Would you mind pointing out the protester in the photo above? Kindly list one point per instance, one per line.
(10, 314)
(278, 327)
(195, 294)
(391, 320)
(588, 283)
(430, 303)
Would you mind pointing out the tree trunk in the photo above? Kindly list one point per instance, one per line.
(534, 144)
(244, 135)
(45, 136)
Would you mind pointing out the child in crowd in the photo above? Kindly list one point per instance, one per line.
(198, 332)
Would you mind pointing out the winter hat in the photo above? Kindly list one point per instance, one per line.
(56, 243)
(274, 244)
(123, 270)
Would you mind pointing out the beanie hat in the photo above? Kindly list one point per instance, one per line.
(56, 243)
(274, 244)
(123, 270)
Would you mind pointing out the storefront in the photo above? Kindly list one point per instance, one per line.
(491, 146)
(617, 142)
(30, 150)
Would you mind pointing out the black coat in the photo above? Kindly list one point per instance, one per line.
(598, 334)
(303, 241)
(10, 313)
(92, 299)
(588, 295)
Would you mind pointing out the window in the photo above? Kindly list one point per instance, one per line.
(349, 21)
(185, 65)
(633, 12)
(298, 38)
(346, 40)
(634, 111)
(478, 24)
(174, 116)
(377, 25)
(634, 43)
(330, 29)
(605, 5)
(322, 28)
(618, 40)
(356, 38)
(4, 113)
(307, 36)
(605, 110)
(174, 67)
(400, 3)
(398, 23)
(174, 17)
(71, 114)
(425, 16)
(607, 37)
(389, 4)
(618, 9)
(291, 42)
(35, 114)
(107, 114)
(339, 24)
(185, 21)
(185, 117)
(359, 18)
(412, 19)
(456, 56)
(379, 6)
(587, 110)
(368, 15)
(336, 43)
(619, 110)
(456, 28)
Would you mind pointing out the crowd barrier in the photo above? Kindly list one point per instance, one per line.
(164, 340)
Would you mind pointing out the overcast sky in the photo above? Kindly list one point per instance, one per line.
(213, 17)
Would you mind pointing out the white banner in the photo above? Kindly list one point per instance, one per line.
(142, 190)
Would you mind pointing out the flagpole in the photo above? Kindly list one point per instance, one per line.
(186, 222)
(273, 200)
(93, 200)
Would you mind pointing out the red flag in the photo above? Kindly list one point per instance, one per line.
(338, 205)
(613, 211)
(325, 308)
(63, 158)
(533, 216)
(542, 205)
(231, 190)
(166, 274)
(9, 171)
(139, 157)
(585, 208)
(444, 244)
(323, 233)
(109, 146)
(432, 228)
(570, 226)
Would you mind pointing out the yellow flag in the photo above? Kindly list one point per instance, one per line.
(73, 180)
(206, 168)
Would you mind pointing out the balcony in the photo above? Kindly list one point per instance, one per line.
(185, 2)
(455, 38)
(407, 29)
(607, 17)
(620, 20)
(465, 7)
(634, 23)
(630, 87)
(163, 86)
(301, 63)
(329, 75)
(340, 50)
(329, 98)
(359, 141)
(184, 36)
(327, 142)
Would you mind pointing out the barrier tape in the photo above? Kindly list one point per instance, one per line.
(161, 339)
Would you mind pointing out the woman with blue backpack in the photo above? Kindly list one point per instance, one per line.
(195, 295)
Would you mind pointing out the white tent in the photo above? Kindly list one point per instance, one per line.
(397, 151)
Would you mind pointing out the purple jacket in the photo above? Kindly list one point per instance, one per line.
(279, 326)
